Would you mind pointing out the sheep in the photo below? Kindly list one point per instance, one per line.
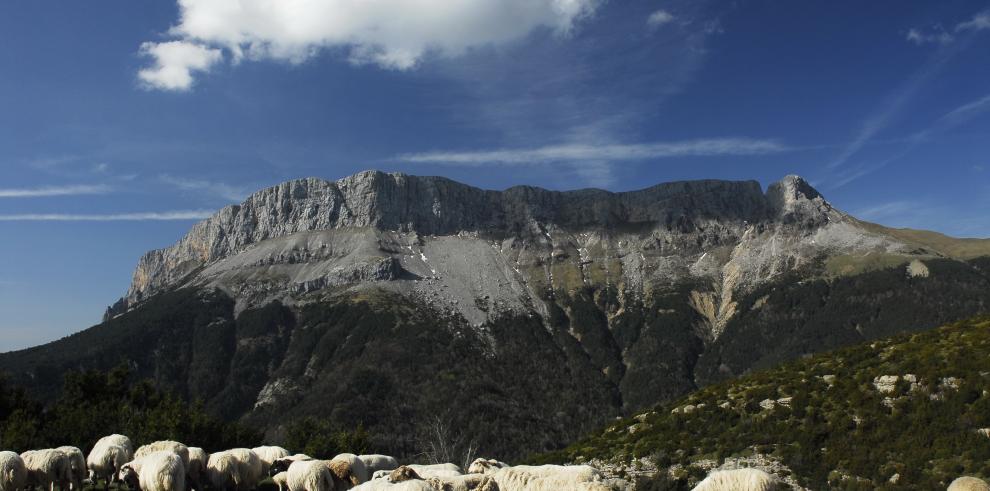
(47, 468)
(196, 469)
(222, 471)
(118, 440)
(747, 479)
(348, 470)
(382, 474)
(547, 477)
(166, 445)
(269, 454)
(13, 473)
(249, 466)
(485, 466)
(375, 463)
(310, 475)
(967, 483)
(281, 480)
(466, 482)
(433, 470)
(384, 485)
(77, 464)
(282, 465)
(156, 471)
(105, 460)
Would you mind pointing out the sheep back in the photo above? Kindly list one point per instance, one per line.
(164, 446)
(967, 483)
(249, 467)
(118, 440)
(105, 460)
(375, 462)
(13, 473)
(77, 465)
(349, 469)
(222, 471)
(739, 480)
(162, 471)
(45, 467)
(309, 475)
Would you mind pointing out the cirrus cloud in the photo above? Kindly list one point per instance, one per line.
(601, 153)
(394, 34)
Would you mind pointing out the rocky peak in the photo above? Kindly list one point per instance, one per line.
(436, 206)
(794, 200)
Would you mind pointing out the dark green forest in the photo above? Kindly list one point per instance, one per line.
(94, 404)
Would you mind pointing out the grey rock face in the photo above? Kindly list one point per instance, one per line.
(415, 233)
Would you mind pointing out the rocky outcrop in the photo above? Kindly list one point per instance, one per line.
(438, 206)
(730, 235)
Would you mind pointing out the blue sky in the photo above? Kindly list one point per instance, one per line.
(123, 121)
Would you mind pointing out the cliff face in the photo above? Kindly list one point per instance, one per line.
(438, 206)
(661, 233)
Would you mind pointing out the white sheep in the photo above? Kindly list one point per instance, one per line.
(196, 470)
(47, 468)
(436, 470)
(485, 466)
(281, 481)
(13, 473)
(747, 479)
(349, 470)
(421, 472)
(310, 475)
(466, 482)
(967, 483)
(249, 467)
(164, 446)
(282, 465)
(105, 461)
(385, 485)
(77, 463)
(374, 463)
(118, 440)
(222, 471)
(268, 455)
(156, 471)
(547, 477)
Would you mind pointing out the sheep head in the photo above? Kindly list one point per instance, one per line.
(129, 476)
(403, 473)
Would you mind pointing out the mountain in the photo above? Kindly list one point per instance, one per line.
(907, 412)
(516, 320)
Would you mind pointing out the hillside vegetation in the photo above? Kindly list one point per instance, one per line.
(906, 412)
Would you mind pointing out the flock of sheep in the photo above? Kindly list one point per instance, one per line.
(172, 466)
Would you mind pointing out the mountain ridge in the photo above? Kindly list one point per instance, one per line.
(544, 312)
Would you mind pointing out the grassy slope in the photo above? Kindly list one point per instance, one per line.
(840, 435)
(947, 246)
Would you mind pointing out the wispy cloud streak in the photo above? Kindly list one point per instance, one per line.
(48, 191)
(599, 153)
(114, 217)
(223, 190)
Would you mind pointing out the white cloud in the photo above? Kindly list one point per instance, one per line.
(939, 36)
(174, 63)
(979, 22)
(48, 191)
(223, 190)
(393, 34)
(114, 217)
(600, 153)
(659, 18)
